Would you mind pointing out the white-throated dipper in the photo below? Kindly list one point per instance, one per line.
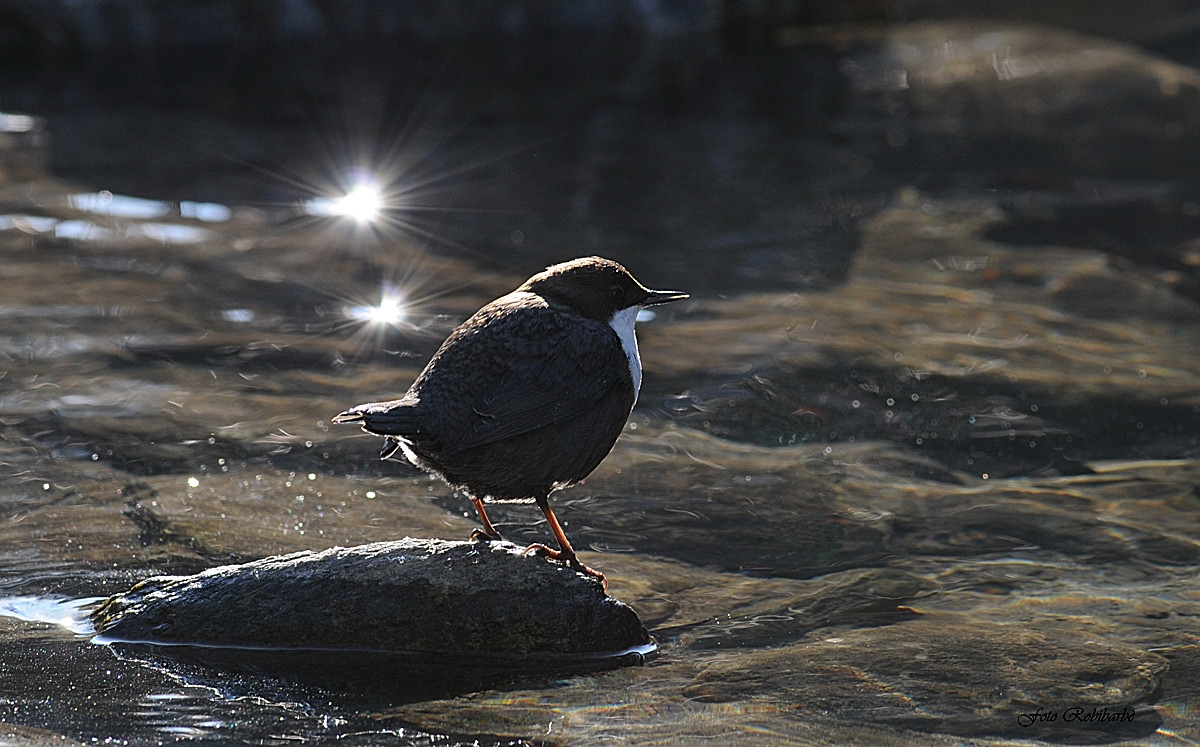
(529, 394)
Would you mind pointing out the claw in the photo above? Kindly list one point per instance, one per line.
(478, 535)
(568, 559)
(488, 531)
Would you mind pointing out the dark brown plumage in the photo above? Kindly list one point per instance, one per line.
(529, 394)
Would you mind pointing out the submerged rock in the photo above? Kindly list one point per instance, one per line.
(476, 601)
(946, 673)
(1024, 98)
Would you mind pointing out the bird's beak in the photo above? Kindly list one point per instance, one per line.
(657, 297)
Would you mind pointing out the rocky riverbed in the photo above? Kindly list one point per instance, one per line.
(917, 463)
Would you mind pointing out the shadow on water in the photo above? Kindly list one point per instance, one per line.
(364, 679)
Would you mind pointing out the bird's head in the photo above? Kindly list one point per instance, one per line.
(596, 287)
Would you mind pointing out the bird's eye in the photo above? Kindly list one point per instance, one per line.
(614, 291)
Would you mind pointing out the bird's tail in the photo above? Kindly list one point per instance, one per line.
(396, 418)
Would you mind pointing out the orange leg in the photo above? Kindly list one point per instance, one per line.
(566, 553)
(488, 532)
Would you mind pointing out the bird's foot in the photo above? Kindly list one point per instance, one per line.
(481, 535)
(568, 559)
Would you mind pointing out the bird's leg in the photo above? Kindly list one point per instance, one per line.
(488, 533)
(566, 553)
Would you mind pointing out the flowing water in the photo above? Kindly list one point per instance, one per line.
(917, 463)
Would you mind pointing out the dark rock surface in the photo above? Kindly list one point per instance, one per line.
(478, 600)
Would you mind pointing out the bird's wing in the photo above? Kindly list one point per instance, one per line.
(548, 375)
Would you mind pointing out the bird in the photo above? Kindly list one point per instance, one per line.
(528, 395)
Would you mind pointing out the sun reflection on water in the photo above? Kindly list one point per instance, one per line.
(399, 306)
(390, 310)
(363, 202)
(71, 614)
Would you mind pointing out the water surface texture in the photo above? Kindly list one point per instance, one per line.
(916, 464)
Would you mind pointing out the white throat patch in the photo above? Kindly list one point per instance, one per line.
(622, 323)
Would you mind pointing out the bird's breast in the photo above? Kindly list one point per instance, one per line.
(622, 323)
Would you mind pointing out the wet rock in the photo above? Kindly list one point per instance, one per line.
(463, 599)
(943, 673)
